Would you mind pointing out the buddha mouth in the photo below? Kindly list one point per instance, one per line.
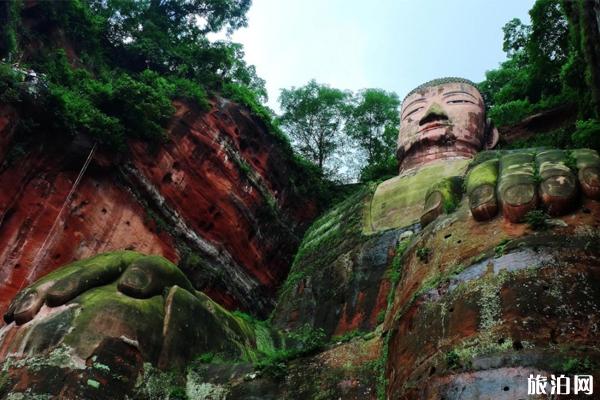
(434, 125)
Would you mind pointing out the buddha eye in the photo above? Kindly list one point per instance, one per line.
(412, 112)
(459, 101)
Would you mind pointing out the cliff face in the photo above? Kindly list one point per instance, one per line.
(491, 303)
(340, 278)
(216, 196)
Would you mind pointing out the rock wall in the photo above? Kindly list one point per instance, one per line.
(492, 303)
(218, 194)
(340, 278)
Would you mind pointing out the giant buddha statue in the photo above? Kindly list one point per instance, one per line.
(443, 127)
(124, 308)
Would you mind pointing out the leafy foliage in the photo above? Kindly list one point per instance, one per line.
(587, 134)
(344, 134)
(373, 124)
(530, 80)
(8, 35)
(300, 342)
(313, 116)
(550, 63)
(125, 62)
(536, 219)
(9, 85)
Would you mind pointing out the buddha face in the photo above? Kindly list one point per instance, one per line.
(440, 122)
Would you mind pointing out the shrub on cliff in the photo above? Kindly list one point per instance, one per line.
(9, 84)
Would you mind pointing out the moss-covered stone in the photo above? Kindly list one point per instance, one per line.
(485, 173)
(517, 187)
(558, 187)
(588, 165)
(481, 188)
(165, 324)
(340, 277)
(442, 197)
(148, 276)
(398, 202)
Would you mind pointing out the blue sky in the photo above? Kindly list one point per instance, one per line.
(390, 44)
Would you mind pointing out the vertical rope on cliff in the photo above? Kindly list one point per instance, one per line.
(41, 252)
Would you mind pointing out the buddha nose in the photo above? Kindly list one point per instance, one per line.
(435, 112)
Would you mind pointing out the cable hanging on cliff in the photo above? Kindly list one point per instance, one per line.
(41, 252)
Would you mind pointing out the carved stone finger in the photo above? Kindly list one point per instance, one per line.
(517, 188)
(558, 187)
(149, 276)
(89, 276)
(27, 304)
(481, 189)
(588, 166)
(443, 197)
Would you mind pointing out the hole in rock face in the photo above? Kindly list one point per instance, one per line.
(517, 345)
(451, 309)
(447, 236)
(56, 256)
(458, 241)
(127, 223)
(432, 371)
(168, 178)
(17, 265)
(104, 211)
(505, 388)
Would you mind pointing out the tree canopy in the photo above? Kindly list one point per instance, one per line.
(347, 135)
(313, 116)
(126, 57)
(373, 124)
(550, 64)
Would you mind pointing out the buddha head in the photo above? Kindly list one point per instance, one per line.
(443, 119)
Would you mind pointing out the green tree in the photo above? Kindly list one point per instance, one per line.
(169, 35)
(532, 77)
(373, 124)
(313, 117)
(516, 36)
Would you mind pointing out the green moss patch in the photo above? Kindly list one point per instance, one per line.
(485, 173)
(398, 202)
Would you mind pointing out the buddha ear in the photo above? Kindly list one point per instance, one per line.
(491, 136)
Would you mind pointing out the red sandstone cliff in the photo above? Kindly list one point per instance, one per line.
(219, 189)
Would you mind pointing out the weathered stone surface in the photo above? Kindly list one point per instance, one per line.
(517, 188)
(559, 187)
(340, 277)
(398, 202)
(167, 329)
(219, 188)
(481, 190)
(588, 165)
(494, 292)
(442, 127)
(442, 120)
(347, 371)
(442, 197)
